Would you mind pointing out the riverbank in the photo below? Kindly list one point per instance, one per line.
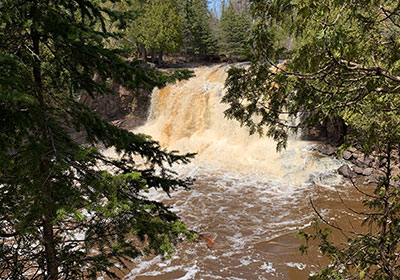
(366, 169)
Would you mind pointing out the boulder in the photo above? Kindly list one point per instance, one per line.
(395, 171)
(368, 171)
(347, 155)
(368, 161)
(358, 170)
(382, 162)
(372, 179)
(360, 163)
(358, 155)
(328, 150)
(345, 171)
(352, 150)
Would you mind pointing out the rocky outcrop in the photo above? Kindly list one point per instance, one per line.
(126, 109)
(332, 131)
(370, 168)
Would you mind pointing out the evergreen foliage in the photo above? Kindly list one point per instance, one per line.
(160, 26)
(198, 38)
(67, 211)
(157, 27)
(234, 29)
(344, 62)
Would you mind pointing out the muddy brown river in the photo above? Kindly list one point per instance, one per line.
(247, 200)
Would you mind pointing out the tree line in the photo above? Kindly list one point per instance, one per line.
(188, 27)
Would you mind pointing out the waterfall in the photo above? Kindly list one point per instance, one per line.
(247, 197)
(188, 117)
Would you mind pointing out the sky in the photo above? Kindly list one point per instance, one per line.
(215, 5)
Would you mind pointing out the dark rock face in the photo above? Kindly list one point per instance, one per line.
(336, 130)
(345, 171)
(128, 109)
(332, 131)
(110, 107)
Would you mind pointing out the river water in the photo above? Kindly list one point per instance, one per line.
(247, 200)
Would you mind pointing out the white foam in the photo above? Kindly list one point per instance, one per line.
(268, 268)
(299, 266)
(245, 191)
(190, 272)
(141, 265)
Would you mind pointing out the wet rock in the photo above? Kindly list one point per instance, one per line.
(372, 179)
(357, 155)
(347, 155)
(328, 150)
(360, 163)
(368, 171)
(395, 171)
(352, 150)
(368, 161)
(358, 170)
(345, 171)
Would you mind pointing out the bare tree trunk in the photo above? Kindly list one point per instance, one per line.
(160, 59)
(51, 253)
(142, 51)
(153, 56)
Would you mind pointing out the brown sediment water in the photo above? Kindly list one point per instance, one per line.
(247, 199)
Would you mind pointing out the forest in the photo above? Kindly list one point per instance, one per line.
(70, 211)
(189, 28)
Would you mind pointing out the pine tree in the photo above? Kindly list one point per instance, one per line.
(198, 38)
(234, 28)
(67, 211)
(160, 27)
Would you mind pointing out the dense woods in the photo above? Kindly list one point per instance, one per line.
(69, 212)
(190, 28)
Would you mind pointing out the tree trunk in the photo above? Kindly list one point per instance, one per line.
(153, 56)
(51, 259)
(142, 51)
(160, 55)
(43, 187)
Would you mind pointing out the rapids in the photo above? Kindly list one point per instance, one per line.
(247, 198)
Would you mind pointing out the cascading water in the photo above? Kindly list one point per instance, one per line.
(246, 197)
(188, 116)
